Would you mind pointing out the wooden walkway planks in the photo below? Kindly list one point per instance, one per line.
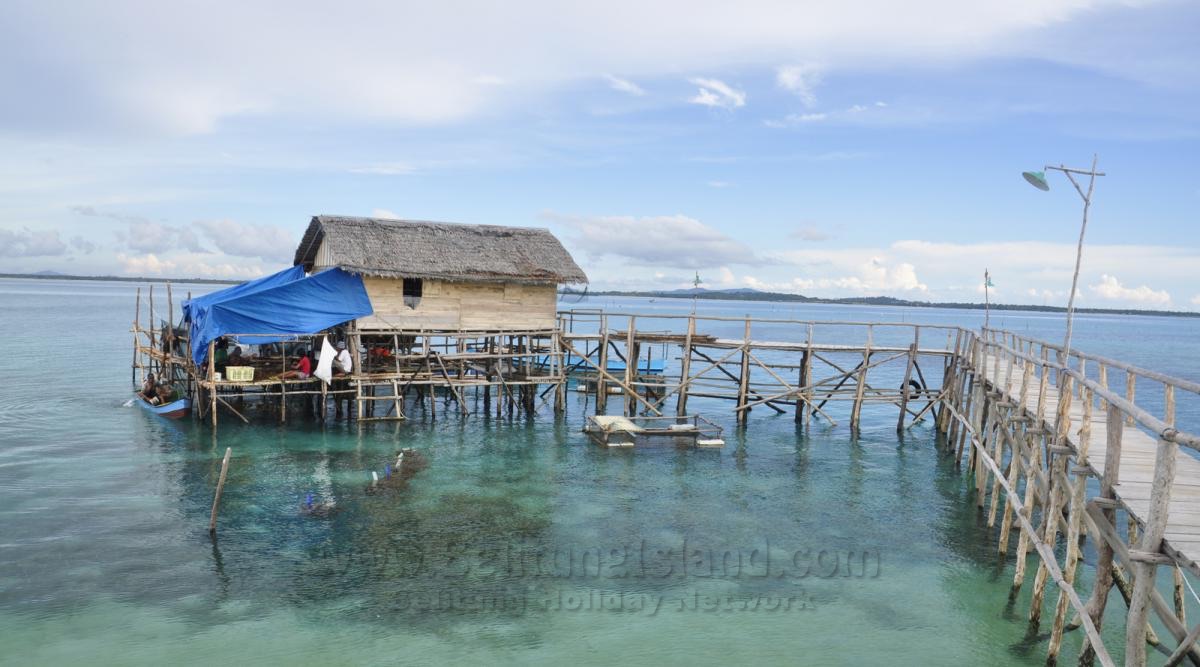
(1138, 452)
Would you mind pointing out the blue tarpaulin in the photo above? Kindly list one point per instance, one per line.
(278, 312)
(194, 309)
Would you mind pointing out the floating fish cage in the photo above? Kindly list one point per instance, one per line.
(619, 431)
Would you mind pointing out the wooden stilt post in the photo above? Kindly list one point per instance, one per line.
(601, 385)
(150, 330)
(212, 520)
(1014, 472)
(1032, 497)
(212, 381)
(685, 368)
(856, 410)
(806, 379)
(1151, 541)
(631, 368)
(137, 318)
(1115, 427)
(904, 391)
(169, 336)
(1074, 526)
(744, 376)
(558, 361)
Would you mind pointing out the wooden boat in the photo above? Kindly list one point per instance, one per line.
(173, 410)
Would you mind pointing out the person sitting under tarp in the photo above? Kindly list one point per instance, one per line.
(301, 370)
(221, 355)
(235, 358)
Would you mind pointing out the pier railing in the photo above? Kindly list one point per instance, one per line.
(746, 359)
(1010, 384)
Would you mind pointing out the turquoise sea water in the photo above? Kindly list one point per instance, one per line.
(521, 542)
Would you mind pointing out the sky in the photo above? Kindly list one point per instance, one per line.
(864, 147)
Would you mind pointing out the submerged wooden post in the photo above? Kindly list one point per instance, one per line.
(912, 358)
(744, 376)
(631, 367)
(150, 331)
(601, 385)
(856, 410)
(558, 361)
(685, 368)
(212, 521)
(137, 324)
(1151, 541)
(806, 379)
(212, 380)
(1078, 501)
(1114, 429)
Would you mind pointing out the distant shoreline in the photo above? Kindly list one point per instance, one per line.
(709, 295)
(120, 279)
(751, 295)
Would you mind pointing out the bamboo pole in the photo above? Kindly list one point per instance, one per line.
(744, 376)
(1151, 541)
(806, 372)
(1078, 501)
(1104, 561)
(1130, 392)
(685, 367)
(631, 367)
(212, 521)
(912, 357)
(856, 409)
(137, 324)
(601, 385)
(212, 381)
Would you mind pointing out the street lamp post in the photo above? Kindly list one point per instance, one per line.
(1038, 180)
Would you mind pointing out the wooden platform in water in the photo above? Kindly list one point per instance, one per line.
(1138, 451)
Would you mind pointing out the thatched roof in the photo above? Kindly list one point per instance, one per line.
(413, 249)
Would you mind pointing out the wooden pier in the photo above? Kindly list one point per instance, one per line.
(1059, 449)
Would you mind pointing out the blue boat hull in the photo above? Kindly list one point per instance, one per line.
(173, 410)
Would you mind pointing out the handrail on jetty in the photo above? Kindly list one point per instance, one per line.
(1001, 402)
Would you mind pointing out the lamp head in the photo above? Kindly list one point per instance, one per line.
(1037, 179)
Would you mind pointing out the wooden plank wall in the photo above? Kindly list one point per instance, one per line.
(463, 306)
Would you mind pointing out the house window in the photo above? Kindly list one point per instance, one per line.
(412, 292)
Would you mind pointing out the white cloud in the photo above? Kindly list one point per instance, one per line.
(185, 266)
(155, 237)
(145, 66)
(800, 80)
(1196, 300)
(385, 169)
(28, 243)
(1110, 288)
(384, 213)
(794, 119)
(268, 242)
(145, 265)
(717, 93)
(674, 241)
(718, 184)
(624, 85)
(810, 233)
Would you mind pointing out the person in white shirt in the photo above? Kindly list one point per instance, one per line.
(343, 363)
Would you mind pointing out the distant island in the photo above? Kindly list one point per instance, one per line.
(736, 294)
(749, 294)
(55, 275)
